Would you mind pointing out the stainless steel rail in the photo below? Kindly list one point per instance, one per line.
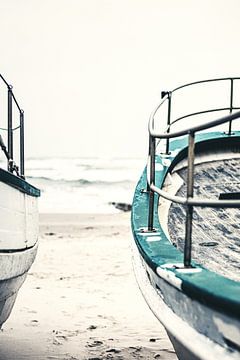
(12, 167)
(189, 201)
(197, 201)
(210, 124)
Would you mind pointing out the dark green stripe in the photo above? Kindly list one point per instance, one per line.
(18, 183)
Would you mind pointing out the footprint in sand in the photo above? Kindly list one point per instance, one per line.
(59, 336)
(95, 343)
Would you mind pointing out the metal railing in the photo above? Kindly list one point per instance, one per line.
(9, 150)
(189, 201)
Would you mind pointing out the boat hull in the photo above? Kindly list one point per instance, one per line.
(199, 308)
(188, 342)
(16, 266)
(182, 352)
(18, 237)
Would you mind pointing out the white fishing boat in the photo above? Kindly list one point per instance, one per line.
(185, 223)
(18, 209)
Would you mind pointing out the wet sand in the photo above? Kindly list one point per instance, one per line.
(80, 299)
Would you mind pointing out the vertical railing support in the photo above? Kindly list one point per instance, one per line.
(22, 165)
(230, 107)
(168, 120)
(149, 159)
(189, 215)
(152, 145)
(10, 130)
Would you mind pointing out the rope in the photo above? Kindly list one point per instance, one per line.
(4, 129)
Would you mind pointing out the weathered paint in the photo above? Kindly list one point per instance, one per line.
(189, 343)
(18, 237)
(204, 286)
(18, 219)
(18, 183)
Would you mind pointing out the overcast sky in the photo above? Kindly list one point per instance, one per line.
(89, 72)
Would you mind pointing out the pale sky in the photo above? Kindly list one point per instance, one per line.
(89, 72)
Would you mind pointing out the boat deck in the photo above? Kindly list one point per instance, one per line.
(216, 231)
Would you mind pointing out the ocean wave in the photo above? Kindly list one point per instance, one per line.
(82, 172)
(76, 182)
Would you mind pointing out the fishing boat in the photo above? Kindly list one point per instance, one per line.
(18, 205)
(185, 221)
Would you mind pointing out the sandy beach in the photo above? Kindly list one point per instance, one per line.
(80, 299)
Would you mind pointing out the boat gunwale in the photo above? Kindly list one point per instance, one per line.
(204, 286)
(18, 183)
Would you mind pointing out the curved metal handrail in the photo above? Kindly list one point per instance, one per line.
(12, 167)
(196, 128)
(167, 95)
(3, 79)
(10, 87)
(205, 81)
(189, 201)
(203, 112)
(196, 202)
(192, 201)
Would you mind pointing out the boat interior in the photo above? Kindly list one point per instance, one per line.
(215, 231)
(200, 168)
(185, 220)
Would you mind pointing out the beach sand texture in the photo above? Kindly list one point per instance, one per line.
(80, 299)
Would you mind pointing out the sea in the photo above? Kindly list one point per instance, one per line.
(83, 185)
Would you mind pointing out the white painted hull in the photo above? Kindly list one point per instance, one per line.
(18, 219)
(18, 264)
(18, 243)
(189, 344)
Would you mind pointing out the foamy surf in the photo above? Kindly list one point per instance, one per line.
(83, 185)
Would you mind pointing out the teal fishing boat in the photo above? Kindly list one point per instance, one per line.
(185, 220)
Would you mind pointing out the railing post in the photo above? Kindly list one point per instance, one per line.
(22, 165)
(10, 130)
(168, 119)
(231, 107)
(149, 157)
(189, 215)
(152, 145)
